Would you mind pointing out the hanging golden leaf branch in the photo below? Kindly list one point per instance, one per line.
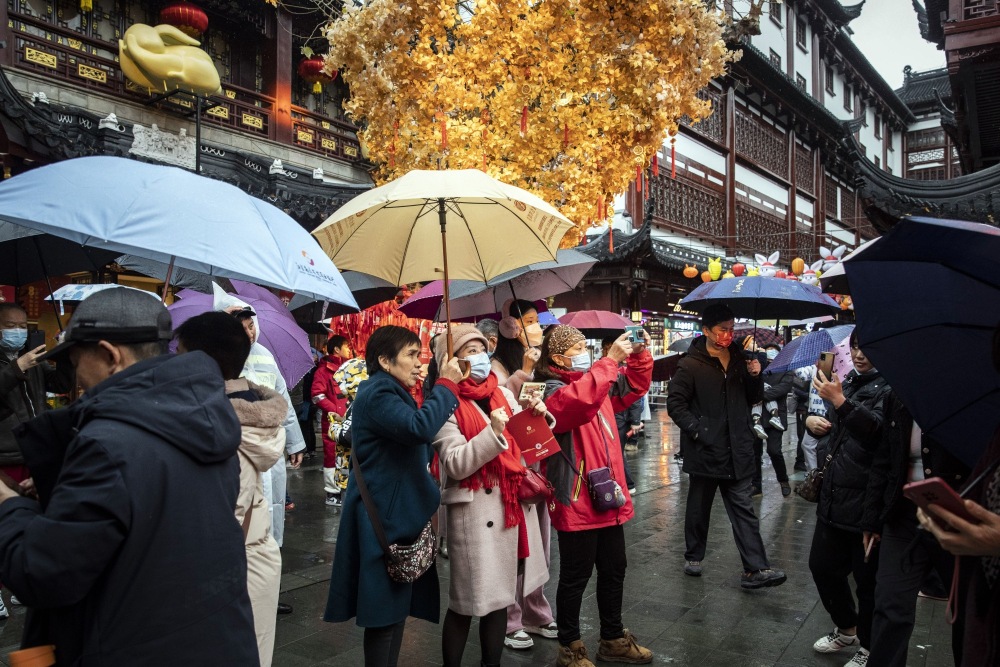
(570, 99)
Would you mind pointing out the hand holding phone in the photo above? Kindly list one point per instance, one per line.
(934, 491)
(636, 335)
(825, 364)
(529, 390)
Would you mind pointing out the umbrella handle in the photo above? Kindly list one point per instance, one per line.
(443, 219)
(166, 281)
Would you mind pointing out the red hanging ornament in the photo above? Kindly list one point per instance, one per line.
(312, 70)
(524, 120)
(638, 179)
(189, 19)
(565, 136)
(673, 158)
(656, 165)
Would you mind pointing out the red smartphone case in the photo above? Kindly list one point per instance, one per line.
(935, 491)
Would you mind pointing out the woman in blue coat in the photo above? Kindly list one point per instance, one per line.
(391, 442)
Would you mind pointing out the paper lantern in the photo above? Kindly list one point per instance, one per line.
(690, 271)
(311, 70)
(738, 269)
(715, 268)
(706, 277)
(188, 18)
(798, 266)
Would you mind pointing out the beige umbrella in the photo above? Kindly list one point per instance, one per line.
(407, 230)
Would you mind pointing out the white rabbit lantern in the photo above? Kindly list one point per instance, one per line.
(809, 275)
(767, 268)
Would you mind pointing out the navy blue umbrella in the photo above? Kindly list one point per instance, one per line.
(927, 301)
(804, 350)
(762, 298)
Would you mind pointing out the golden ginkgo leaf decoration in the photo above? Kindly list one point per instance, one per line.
(569, 99)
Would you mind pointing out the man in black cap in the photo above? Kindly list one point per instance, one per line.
(709, 399)
(131, 554)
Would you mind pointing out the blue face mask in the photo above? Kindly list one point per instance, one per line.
(771, 354)
(480, 366)
(580, 362)
(13, 339)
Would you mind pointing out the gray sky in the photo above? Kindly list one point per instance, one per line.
(888, 34)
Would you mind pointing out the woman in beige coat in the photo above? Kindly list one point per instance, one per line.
(489, 529)
(261, 412)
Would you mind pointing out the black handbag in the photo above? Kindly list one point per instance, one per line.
(812, 483)
(404, 563)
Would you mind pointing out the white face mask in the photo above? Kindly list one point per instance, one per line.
(579, 362)
(480, 366)
(533, 333)
(771, 354)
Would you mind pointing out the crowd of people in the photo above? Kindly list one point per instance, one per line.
(143, 523)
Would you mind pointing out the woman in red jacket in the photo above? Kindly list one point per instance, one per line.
(583, 398)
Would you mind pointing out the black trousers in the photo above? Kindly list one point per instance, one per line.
(382, 645)
(907, 556)
(774, 440)
(579, 552)
(746, 527)
(835, 555)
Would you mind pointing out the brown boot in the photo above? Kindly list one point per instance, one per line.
(574, 655)
(624, 650)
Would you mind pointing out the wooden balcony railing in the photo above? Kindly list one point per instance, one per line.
(64, 54)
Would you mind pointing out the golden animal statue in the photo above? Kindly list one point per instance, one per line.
(164, 58)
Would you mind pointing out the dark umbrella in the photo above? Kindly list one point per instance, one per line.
(762, 298)
(762, 336)
(927, 301)
(681, 344)
(39, 256)
(664, 366)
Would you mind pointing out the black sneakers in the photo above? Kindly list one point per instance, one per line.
(763, 579)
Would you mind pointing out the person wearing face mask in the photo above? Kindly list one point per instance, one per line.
(489, 529)
(22, 387)
(583, 398)
(775, 403)
(709, 399)
(849, 437)
(516, 351)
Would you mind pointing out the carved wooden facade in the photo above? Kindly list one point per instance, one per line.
(251, 44)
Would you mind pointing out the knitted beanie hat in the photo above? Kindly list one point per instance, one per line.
(461, 334)
(564, 337)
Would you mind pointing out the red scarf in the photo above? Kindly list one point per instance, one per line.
(505, 471)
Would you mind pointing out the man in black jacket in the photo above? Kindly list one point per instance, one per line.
(132, 554)
(709, 399)
(908, 554)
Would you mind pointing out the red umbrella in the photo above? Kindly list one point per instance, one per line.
(596, 323)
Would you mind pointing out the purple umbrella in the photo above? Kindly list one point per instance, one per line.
(596, 323)
(277, 330)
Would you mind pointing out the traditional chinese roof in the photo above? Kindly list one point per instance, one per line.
(922, 89)
(49, 132)
(840, 14)
(641, 246)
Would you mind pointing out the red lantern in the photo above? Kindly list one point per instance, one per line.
(187, 18)
(738, 269)
(311, 71)
(780, 274)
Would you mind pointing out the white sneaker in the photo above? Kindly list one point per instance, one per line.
(3, 610)
(860, 659)
(835, 641)
(519, 641)
(550, 631)
(775, 421)
(759, 431)
(14, 602)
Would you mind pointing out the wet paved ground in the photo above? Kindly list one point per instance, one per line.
(703, 622)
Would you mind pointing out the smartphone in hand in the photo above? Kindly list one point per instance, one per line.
(935, 491)
(635, 334)
(825, 364)
(530, 388)
(36, 338)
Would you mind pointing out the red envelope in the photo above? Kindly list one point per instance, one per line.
(533, 436)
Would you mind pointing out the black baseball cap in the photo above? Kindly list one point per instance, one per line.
(117, 316)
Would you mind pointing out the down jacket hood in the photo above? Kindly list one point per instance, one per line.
(152, 393)
(263, 441)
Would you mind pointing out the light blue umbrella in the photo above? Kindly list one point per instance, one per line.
(172, 216)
